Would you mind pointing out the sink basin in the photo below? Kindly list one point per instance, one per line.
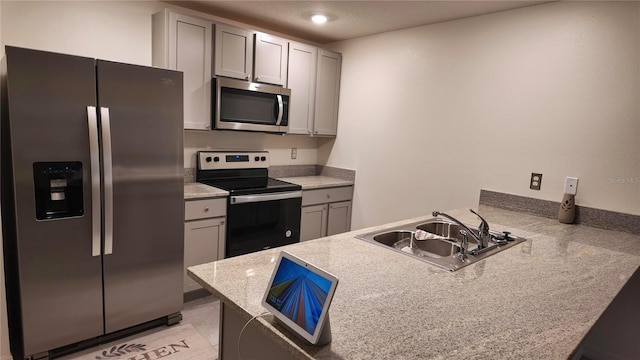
(392, 237)
(446, 229)
(404, 241)
(439, 252)
(431, 248)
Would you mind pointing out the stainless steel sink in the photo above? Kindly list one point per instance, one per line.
(444, 251)
(446, 229)
(405, 241)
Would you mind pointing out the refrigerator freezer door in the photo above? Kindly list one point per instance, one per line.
(57, 288)
(143, 274)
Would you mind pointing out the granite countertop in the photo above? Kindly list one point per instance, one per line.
(317, 182)
(534, 300)
(196, 190)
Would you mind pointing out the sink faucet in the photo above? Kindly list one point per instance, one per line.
(483, 236)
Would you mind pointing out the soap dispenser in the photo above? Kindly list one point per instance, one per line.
(567, 212)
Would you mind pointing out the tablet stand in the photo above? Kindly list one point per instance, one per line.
(325, 335)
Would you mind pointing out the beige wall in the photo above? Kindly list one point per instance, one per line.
(439, 112)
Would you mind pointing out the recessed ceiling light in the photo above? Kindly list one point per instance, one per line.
(319, 19)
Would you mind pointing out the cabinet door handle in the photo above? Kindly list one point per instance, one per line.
(206, 209)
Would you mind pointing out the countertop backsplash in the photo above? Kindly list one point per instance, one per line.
(603, 219)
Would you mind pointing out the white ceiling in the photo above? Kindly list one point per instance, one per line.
(350, 19)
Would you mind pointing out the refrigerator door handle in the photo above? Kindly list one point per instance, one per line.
(94, 152)
(108, 180)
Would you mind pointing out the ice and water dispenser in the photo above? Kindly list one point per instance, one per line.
(58, 189)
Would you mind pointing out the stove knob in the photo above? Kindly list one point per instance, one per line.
(257, 158)
(264, 158)
(208, 159)
(216, 159)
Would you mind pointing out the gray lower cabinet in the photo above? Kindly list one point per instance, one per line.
(339, 218)
(204, 234)
(325, 212)
(313, 223)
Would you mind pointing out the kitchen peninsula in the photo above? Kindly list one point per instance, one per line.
(534, 300)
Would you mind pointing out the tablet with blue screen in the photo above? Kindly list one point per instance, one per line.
(299, 295)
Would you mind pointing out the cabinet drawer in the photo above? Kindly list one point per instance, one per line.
(323, 196)
(202, 209)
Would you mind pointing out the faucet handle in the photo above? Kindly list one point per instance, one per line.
(484, 225)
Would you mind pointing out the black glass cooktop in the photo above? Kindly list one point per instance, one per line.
(244, 181)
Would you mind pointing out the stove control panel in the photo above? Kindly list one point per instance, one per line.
(217, 160)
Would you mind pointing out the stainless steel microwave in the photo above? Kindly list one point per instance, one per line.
(241, 105)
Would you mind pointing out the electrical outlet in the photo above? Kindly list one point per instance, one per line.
(536, 181)
(571, 185)
(294, 153)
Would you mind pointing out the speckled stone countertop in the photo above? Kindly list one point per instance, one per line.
(535, 300)
(193, 191)
(317, 182)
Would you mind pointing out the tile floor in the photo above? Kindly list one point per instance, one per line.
(202, 313)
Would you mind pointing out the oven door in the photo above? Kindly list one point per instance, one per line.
(262, 221)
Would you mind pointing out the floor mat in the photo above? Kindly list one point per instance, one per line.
(179, 342)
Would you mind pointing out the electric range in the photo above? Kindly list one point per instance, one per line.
(262, 212)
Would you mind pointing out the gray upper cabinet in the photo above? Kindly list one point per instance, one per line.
(190, 44)
(301, 80)
(327, 93)
(233, 52)
(248, 55)
(314, 80)
(183, 43)
(271, 59)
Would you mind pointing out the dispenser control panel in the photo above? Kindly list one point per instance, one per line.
(58, 189)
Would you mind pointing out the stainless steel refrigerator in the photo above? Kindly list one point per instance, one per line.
(92, 198)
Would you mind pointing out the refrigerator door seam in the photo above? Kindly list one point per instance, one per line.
(94, 152)
(108, 180)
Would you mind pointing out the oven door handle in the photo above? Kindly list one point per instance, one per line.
(243, 199)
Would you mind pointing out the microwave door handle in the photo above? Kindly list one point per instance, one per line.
(280, 109)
